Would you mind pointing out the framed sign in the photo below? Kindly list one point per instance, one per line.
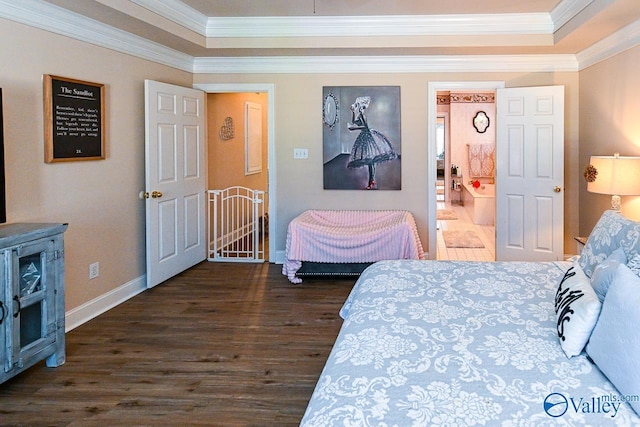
(73, 120)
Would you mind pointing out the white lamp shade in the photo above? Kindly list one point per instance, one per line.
(616, 175)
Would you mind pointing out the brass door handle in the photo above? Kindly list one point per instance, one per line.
(557, 189)
(156, 194)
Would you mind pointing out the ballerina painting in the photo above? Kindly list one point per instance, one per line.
(369, 147)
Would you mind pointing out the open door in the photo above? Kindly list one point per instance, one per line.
(530, 174)
(175, 179)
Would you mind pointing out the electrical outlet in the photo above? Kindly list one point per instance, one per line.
(94, 270)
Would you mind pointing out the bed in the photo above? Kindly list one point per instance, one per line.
(339, 238)
(490, 343)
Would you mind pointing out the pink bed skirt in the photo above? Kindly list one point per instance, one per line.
(349, 237)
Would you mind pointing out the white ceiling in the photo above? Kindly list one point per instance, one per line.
(365, 7)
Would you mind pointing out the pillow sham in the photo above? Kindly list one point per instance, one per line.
(615, 342)
(630, 243)
(604, 239)
(604, 272)
(577, 309)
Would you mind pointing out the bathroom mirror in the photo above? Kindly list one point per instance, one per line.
(481, 122)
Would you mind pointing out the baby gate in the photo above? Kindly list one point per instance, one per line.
(238, 225)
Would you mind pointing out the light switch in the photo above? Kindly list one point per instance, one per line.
(300, 153)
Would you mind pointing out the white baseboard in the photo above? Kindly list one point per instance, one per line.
(92, 309)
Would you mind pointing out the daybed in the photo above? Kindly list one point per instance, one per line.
(481, 343)
(349, 237)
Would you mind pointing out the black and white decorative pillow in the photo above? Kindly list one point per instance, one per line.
(577, 309)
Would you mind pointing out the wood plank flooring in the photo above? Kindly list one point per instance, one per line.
(222, 344)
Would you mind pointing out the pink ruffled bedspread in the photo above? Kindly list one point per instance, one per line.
(350, 236)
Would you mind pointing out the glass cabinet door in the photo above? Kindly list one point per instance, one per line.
(32, 313)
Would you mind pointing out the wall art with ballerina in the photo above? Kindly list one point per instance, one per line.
(361, 137)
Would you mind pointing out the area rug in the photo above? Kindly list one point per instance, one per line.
(461, 239)
(446, 214)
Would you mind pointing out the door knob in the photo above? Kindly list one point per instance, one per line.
(143, 195)
(557, 189)
(156, 194)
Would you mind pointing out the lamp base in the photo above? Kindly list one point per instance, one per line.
(615, 203)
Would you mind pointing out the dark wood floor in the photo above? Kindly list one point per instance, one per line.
(219, 345)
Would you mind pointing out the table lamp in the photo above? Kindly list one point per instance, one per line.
(614, 175)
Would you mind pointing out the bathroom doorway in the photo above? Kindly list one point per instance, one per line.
(465, 174)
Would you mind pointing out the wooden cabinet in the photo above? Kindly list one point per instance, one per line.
(31, 296)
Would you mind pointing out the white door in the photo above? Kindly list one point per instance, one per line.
(530, 173)
(175, 179)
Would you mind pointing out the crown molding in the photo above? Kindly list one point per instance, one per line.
(45, 16)
(567, 10)
(337, 26)
(301, 26)
(398, 25)
(385, 64)
(178, 12)
(624, 39)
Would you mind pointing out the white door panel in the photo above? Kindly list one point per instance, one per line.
(530, 174)
(175, 179)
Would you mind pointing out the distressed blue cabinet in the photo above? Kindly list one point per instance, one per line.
(31, 297)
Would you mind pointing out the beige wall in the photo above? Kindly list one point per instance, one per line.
(99, 199)
(609, 123)
(298, 123)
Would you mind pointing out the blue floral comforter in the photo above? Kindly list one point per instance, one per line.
(459, 343)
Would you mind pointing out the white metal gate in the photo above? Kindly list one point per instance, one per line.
(238, 225)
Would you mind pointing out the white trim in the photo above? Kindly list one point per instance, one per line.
(43, 15)
(432, 107)
(270, 89)
(178, 12)
(385, 64)
(394, 25)
(566, 10)
(624, 39)
(105, 302)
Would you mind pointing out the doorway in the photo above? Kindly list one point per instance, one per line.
(251, 93)
(453, 234)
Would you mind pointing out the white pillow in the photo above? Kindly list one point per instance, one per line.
(577, 308)
(615, 342)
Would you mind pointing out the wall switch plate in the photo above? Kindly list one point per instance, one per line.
(300, 153)
(94, 270)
